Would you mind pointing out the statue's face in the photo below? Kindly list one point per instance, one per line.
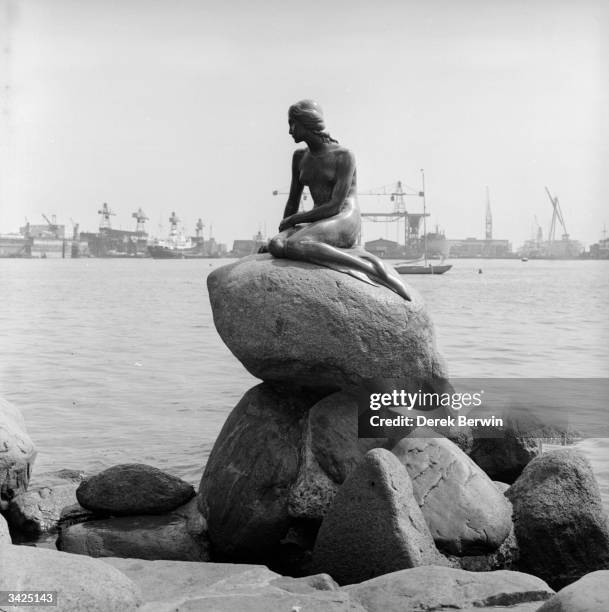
(297, 131)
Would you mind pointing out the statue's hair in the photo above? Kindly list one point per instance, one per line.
(309, 114)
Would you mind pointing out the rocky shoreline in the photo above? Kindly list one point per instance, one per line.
(296, 512)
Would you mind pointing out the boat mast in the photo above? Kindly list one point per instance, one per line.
(424, 215)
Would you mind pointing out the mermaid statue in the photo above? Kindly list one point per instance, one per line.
(326, 235)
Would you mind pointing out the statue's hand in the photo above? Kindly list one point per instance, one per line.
(286, 223)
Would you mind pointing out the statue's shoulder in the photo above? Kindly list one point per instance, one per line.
(344, 155)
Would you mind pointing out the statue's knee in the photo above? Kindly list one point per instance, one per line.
(277, 246)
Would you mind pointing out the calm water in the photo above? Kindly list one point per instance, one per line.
(117, 361)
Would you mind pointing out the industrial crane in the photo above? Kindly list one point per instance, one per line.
(105, 213)
(199, 230)
(556, 216)
(53, 227)
(488, 225)
(397, 196)
(75, 226)
(140, 218)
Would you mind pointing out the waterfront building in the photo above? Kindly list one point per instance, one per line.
(474, 247)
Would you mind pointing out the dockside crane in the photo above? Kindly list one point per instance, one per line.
(106, 213)
(397, 195)
(173, 220)
(75, 226)
(199, 230)
(52, 223)
(141, 219)
(556, 217)
(488, 234)
(75, 250)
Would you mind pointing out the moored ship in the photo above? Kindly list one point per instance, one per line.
(427, 268)
(163, 250)
(180, 246)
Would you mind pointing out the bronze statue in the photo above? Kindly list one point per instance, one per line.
(323, 234)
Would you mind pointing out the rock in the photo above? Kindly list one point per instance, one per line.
(443, 588)
(330, 451)
(588, 594)
(5, 537)
(462, 436)
(310, 325)
(505, 557)
(503, 452)
(81, 583)
(465, 512)
(306, 584)
(180, 536)
(245, 488)
(502, 487)
(265, 501)
(17, 456)
(374, 525)
(559, 520)
(39, 510)
(133, 488)
(73, 514)
(228, 587)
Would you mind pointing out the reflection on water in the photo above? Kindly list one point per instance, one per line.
(118, 360)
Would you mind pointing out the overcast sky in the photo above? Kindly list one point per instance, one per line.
(182, 105)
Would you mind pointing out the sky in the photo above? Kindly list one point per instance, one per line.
(181, 105)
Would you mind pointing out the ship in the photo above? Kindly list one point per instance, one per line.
(416, 247)
(178, 250)
(412, 267)
(111, 243)
(426, 268)
(180, 246)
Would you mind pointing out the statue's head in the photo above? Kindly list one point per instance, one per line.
(308, 115)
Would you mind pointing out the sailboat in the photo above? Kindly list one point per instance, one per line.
(426, 268)
(413, 267)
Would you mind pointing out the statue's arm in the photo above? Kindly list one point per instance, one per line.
(296, 187)
(345, 171)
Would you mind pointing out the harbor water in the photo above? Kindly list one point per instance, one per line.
(118, 360)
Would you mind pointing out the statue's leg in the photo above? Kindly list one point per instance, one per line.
(322, 242)
(321, 253)
(276, 245)
(300, 246)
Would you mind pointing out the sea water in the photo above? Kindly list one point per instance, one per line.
(118, 360)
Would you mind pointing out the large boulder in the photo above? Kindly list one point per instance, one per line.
(503, 452)
(180, 535)
(588, 594)
(133, 488)
(18, 453)
(245, 488)
(443, 588)
(465, 512)
(228, 587)
(293, 321)
(80, 583)
(559, 520)
(374, 525)
(330, 451)
(274, 471)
